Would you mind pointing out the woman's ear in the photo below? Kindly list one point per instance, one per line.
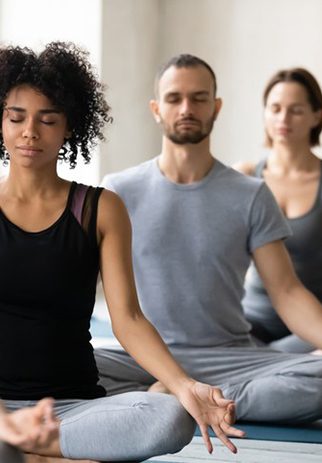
(317, 117)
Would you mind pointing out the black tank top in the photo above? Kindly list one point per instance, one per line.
(47, 293)
(305, 243)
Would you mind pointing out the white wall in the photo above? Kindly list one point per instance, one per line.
(130, 57)
(34, 23)
(245, 41)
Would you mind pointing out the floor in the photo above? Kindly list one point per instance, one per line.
(40, 459)
(249, 451)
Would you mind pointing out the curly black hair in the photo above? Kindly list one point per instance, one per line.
(64, 75)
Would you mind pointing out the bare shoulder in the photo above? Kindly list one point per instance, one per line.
(245, 167)
(109, 198)
(112, 212)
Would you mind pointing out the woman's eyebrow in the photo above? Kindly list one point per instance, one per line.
(41, 111)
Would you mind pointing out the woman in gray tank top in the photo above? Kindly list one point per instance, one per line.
(293, 122)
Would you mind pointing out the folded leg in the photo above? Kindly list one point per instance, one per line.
(126, 427)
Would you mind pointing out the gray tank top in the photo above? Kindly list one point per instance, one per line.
(305, 249)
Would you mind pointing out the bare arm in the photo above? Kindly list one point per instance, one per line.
(299, 308)
(246, 168)
(139, 337)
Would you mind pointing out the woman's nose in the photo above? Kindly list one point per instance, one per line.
(30, 129)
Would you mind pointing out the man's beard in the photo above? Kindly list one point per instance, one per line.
(194, 136)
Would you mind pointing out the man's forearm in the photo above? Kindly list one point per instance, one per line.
(302, 313)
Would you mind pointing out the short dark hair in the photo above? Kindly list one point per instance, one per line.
(183, 61)
(307, 80)
(64, 75)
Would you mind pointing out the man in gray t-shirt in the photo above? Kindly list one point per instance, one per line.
(196, 225)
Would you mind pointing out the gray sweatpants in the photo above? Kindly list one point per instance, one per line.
(125, 427)
(267, 385)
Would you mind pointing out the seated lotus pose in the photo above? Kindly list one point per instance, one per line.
(293, 123)
(55, 237)
(196, 226)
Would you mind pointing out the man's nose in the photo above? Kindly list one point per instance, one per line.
(186, 107)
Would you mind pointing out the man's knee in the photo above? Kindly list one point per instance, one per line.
(9, 454)
(279, 399)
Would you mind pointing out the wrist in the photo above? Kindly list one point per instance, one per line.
(181, 385)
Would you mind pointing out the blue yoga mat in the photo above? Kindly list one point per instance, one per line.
(264, 431)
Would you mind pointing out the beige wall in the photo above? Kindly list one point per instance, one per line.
(244, 40)
(130, 56)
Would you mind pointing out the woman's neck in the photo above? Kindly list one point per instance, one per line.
(21, 183)
(293, 159)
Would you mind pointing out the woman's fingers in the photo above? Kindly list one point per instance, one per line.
(209, 408)
(30, 427)
(231, 431)
(224, 439)
(205, 436)
(221, 401)
(229, 419)
(219, 433)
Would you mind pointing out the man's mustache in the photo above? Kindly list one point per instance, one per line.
(188, 119)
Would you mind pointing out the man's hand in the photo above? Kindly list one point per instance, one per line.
(207, 405)
(30, 427)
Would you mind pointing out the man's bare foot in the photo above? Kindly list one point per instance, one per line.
(158, 387)
(29, 458)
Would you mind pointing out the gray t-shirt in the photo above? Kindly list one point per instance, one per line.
(192, 245)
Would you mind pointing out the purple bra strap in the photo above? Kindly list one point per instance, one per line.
(78, 201)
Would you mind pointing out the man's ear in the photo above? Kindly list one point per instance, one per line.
(218, 106)
(154, 107)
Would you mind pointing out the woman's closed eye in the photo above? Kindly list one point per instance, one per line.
(47, 122)
(15, 120)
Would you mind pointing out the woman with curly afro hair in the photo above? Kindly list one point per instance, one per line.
(56, 236)
(64, 75)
